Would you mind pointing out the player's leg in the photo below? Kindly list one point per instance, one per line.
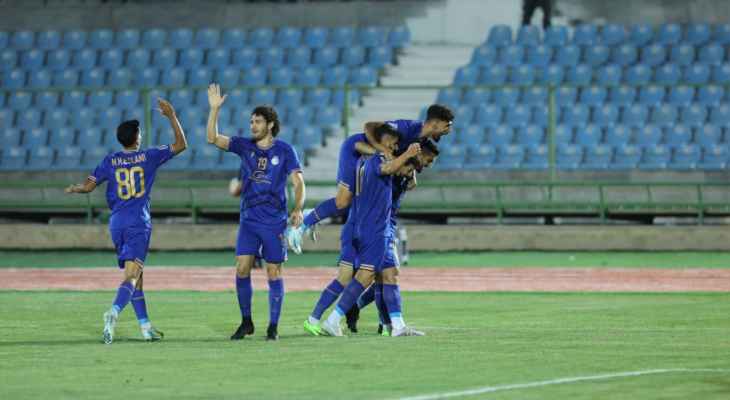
(367, 297)
(247, 247)
(328, 297)
(392, 297)
(274, 253)
(132, 271)
(137, 242)
(384, 327)
(363, 278)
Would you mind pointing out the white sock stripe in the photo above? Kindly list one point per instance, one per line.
(499, 388)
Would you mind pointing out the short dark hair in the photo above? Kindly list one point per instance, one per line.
(270, 115)
(384, 129)
(430, 147)
(440, 112)
(127, 132)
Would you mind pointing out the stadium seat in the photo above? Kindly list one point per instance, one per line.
(535, 95)
(138, 59)
(318, 97)
(342, 36)
(592, 95)
(499, 135)
(685, 157)
(452, 157)
(500, 35)
(538, 56)
(127, 39)
(596, 55)
(261, 38)
(335, 76)
(101, 39)
(626, 157)
(663, 115)
(464, 115)
(519, 115)
(569, 156)
(677, 135)
(126, 99)
(90, 139)
(28, 119)
(300, 116)
(164, 58)
(272, 57)
(556, 36)
(580, 74)
(651, 95)
(493, 75)
(55, 119)
(289, 98)
(74, 40)
(316, 37)
(8, 59)
(325, 56)
(597, 157)
(19, 101)
(206, 38)
(244, 57)
(13, 158)
(541, 116)
(669, 34)
(668, 74)
(81, 118)
(146, 77)
(233, 38)
(379, 57)
(681, 95)
(528, 35)
(609, 75)
(707, 135)
(618, 135)
(452, 97)
(522, 74)
(655, 158)
(653, 55)
(39, 79)
(697, 74)
(506, 96)
(509, 157)
(191, 58)
(173, 77)
(721, 74)
(613, 34)
(111, 58)
(22, 40)
(530, 134)
(575, 115)
(590, 134)
(638, 74)
(75, 99)
(489, 115)
(263, 96)
(182, 161)
(84, 59)
(399, 37)
(634, 115)
(200, 77)
(566, 95)
(714, 157)
(227, 77)
(119, 78)
(551, 74)
(181, 38)
(364, 76)
(93, 156)
(536, 157)
(35, 137)
(697, 34)
(69, 158)
(288, 37)
(32, 59)
(281, 76)
(353, 56)
(568, 55)
(721, 34)
(712, 54)
(6, 118)
(328, 116)
(605, 115)
(309, 137)
(206, 158)
(585, 34)
(371, 36)
(624, 55)
(154, 38)
(647, 135)
(109, 118)
(693, 115)
(309, 76)
(682, 54)
(46, 100)
(480, 157)
(511, 55)
(298, 57)
(710, 95)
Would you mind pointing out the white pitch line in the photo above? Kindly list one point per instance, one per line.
(499, 388)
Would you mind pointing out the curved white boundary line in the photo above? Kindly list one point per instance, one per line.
(499, 388)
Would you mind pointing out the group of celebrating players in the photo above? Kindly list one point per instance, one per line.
(376, 168)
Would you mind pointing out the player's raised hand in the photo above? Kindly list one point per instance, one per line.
(165, 108)
(413, 150)
(214, 96)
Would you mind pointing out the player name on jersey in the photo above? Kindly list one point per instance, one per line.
(135, 159)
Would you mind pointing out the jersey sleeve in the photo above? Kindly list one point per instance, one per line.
(238, 145)
(409, 130)
(292, 161)
(160, 155)
(100, 173)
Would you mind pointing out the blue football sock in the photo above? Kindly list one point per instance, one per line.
(276, 299)
(349, 297)
(244, 292)
(325, 209)
(380, 303)
(367, 297)
(124, 294)
(140, 306)
(327, 298)
(391, 295)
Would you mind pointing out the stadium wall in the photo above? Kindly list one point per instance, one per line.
(420, 237)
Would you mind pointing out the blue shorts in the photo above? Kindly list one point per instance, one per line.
(263, 241)
(376, 254)
(348, 256)
(131, 244)
(347, 163)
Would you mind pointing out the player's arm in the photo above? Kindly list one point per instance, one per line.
(391, 166)
(86, 187)
(297, 180)
(365, 149)
(215, 100)
(166, 109)
(412, 182)
(235, 187)
(370, 135)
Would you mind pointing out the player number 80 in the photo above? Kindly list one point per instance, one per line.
(126, 184)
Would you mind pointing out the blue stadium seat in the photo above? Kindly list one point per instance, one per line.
(511, 55)
(353, 56)
(528, 35)
(6, 118)
(13, 79)
(81, 118)
(19, 101)
(3, 39)
(676, 135)
(464, 115)
(74, 40)
(342, 36)
(326, 56)
(84, 59)
(69, 158)
(575, 115)
(556, 36)
(551, 74)
(697, 34)
(451, 97)
(592, 95)
(272, 57)
(191, 58)
(634, 115)
(46, 100)
(217, 58)
(173, 77)
(119, 78)
(609, 75)
(580, 74)
(535, 95)
(569, 156)
(309, 76)
(597, 157)
(519, 115)
(626, 157)
(466, 75)
(506, 96)
(109, 119)
(522, 74)
(127, 39)
(10, 137)
(479, 157)
(63, 137)
(263, 96)
(707, 135)
(540, 115)
(669, 34)
(181, 161)
(318, 97)
(200, 77)
(39, 79)
(499, 135)
(399, 37)
(101, 39)
(55, 119)
(289, 98)
(93, 156)
(127, 99)
(206, 158)
(316, 37)
(686, 157)
(693, 115)
(164, 58)
(566, 95)
(298, 57)
(712, 54)
(605, 114)
(75, 99)
(682, 54)
(300, 116)
(531, 134)
(244, 57)
(618, 135)
(193, 116)
(585, 34)
(538, 56)
(651, 95)
(664, 115)
(261, 38)
(668, 74)
(336, 75)
(90, 138)
(181, 38)
(138, 59)
(613, 34)
(655, 158)
(638, 74)
(474, 97)
(207, 38)
(309, 137)
(493, 75)
(288, 37)
(8, 59)
(721, 34)
(35, 137)
(653, 55)
(181, 98)
(721, 74)
(233, 38)
(154, 38)
(227, 77)
(489, 115)
(648, 135)
(32, 59)
(536, 157)
(372, 36)
(22, 40)
(452, 157)
(364, 76)
(714, 157)
(13, 158)
(146, 77)
(596, 55)
(58, 60)
(41, 158)
(281, 76)
(624, 55)
(590, 134)
(328, 116)
(500, 35)
(681, 95)
(28, 119)
(111, 58)
(710, 95)
(509, 157)
(379, 57)
(568, 55)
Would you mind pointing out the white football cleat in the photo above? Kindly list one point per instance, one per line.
(406, 331)
(331, 329)
(110, 321)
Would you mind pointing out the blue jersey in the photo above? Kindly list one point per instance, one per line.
(409, 132)
(264, 174)
(131, 175)
(400, 186)
(371, 205)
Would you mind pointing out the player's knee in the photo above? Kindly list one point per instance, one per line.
(365, 276)
(390, 276)
(344, 275)
(132, 271)
(243, 267)
(273, 271)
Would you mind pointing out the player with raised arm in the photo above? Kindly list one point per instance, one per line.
(131, 174)
(266, 164)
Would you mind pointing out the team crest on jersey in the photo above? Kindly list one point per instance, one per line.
(275, 160)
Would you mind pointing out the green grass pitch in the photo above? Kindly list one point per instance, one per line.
(50, 348)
